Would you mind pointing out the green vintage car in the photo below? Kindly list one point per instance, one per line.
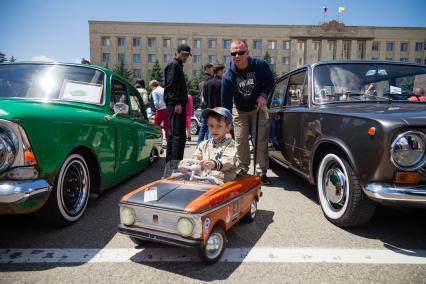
(68, 131)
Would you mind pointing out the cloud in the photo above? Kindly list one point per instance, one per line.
(42, 58)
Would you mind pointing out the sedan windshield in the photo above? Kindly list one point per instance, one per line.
(350, 82)
(51, 82)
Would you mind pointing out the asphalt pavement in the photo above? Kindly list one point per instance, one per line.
(289, 242)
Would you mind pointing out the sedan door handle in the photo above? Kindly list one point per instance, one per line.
(277, 117)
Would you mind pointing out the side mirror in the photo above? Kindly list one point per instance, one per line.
(120, 108)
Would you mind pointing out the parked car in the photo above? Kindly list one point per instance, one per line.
(189, 208)
(68, 131)
(196, 121)
(350, 128)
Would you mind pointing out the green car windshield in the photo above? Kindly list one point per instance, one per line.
(337, 83)
(51, 82)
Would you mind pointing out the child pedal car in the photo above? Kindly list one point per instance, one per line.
(189, 208)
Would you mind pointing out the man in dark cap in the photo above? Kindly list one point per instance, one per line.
(176, 97)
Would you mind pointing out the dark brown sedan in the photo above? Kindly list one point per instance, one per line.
(356, 129)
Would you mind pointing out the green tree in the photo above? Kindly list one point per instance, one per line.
(156, 73)
(193, 87)
(122, 70)
(2, 57)
(12, 59)
(267, 57)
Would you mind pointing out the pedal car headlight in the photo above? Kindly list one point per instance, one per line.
(127, 216)
(185, 226)
(408, 150)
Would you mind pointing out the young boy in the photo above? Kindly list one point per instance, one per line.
(218, 154)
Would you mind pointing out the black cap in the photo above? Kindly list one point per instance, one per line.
(184, 48)
(207, 66)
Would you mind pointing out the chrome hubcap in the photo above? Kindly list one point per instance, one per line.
(214, 245)
(335, 187)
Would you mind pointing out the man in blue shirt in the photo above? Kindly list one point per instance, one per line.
(245, 89)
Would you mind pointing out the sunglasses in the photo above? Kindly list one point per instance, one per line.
(241, 52)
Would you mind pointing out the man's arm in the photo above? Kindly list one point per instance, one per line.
(227, 93)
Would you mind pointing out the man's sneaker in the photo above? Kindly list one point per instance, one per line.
(265, 180)
(241, 173)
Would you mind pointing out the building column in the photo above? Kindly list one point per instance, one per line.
(339, 48)
(354, 50)
(368, 49)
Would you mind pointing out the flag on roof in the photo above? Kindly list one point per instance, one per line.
(341, 9)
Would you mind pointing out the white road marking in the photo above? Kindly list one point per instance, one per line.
(256, 254)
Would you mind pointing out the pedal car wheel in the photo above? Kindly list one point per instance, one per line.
(251, 215)
(215, 246)
(138, 241)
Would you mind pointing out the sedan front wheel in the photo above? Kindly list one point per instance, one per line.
(341, 197)
(70, 194)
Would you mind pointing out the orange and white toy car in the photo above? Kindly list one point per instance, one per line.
(189, 208)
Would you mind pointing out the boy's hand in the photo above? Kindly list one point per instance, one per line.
(228, 136)
(207, 164)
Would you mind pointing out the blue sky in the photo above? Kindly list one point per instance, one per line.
(59, 30)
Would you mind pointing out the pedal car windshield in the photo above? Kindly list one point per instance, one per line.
(189, 170)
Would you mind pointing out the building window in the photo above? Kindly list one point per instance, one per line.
(272, 60)
(151, 58)
(331, 45)
(196, 59)
(121, 57)
(257, 44)
(212, 43)
(374, 58)
(151, 42)
(167, 43)
(389, 46)
(301, 45)
(301, 61)
(272, 44)
(375, 46)
(418, 60)
(106, 41)
(137, 73)
(212, 59)
(316, 45)
(286, 44)
(419, 46)
(346, 51)
(227, 43)
(196, 73)
(120, 41)
(404, 46)
(181, 41)
(403, 59)
(197, 43)
(389, 59)
(167, 58)
(105, 57)
(226, 60)
(136, 42)
(136, 57)
(286, 60)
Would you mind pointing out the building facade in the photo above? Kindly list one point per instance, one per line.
(138, 45)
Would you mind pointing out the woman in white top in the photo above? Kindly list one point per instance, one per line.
(161, 115)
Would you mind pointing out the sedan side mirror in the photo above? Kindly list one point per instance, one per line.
(120, 108)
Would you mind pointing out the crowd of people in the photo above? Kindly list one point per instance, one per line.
(233, 100)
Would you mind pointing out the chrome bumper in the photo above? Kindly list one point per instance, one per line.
(382, 192)
(160, 237)
(23, 196)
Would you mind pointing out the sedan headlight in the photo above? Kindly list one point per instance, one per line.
(7, 150)
(185, 226)
(127, 216)
(408, 150)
